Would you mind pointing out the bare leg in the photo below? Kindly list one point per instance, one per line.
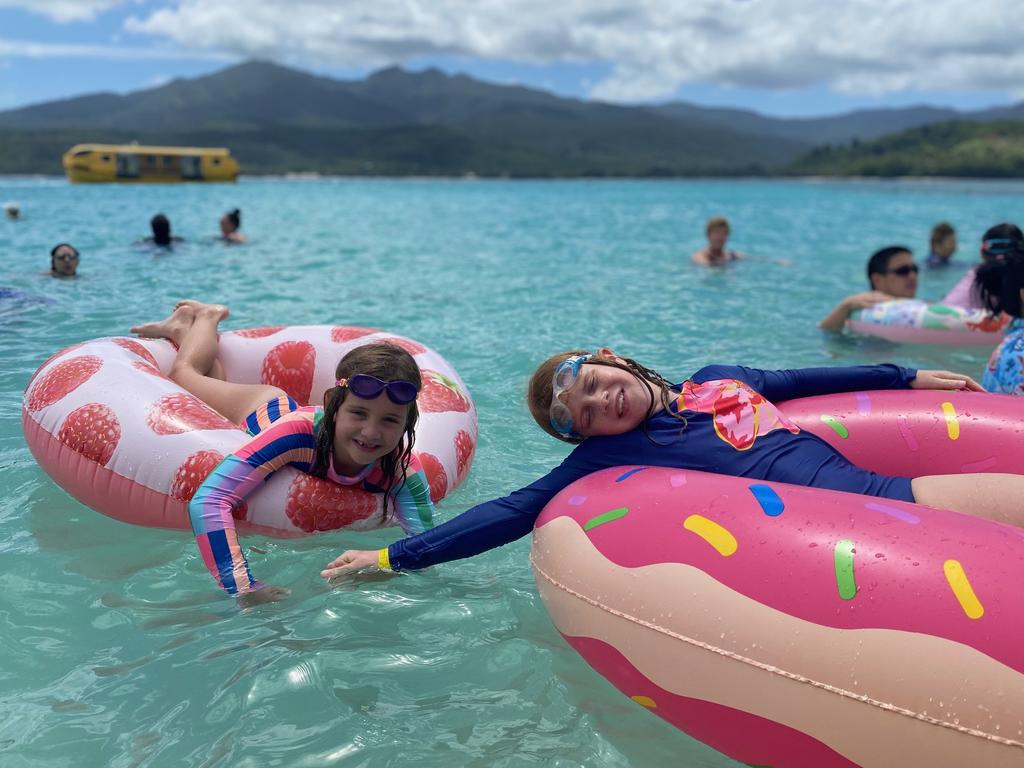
(176, 326)
(998, 497)
(197, 356)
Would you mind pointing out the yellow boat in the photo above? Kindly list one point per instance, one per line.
(137, 163)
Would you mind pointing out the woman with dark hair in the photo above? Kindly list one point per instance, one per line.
(64, 260)
(999, 284)
(162, 236)
(230, 223)
(996, 242)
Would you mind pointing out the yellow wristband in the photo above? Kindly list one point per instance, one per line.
(383, 562)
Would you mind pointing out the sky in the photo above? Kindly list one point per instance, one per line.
(788, 58)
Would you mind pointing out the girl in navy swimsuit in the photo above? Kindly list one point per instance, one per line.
(722, 420)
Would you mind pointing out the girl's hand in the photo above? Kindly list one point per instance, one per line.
(268, 593)
(350, 561)
(945, 380)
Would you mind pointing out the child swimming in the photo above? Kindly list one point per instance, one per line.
(617, 411)
(361, 436)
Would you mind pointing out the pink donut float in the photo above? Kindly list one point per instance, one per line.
(790, 626)
(912, 321)
(104, 421)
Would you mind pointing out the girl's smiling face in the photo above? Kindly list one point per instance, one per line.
(607, 400)
(365, 431)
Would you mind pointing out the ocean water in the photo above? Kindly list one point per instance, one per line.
(119, 651)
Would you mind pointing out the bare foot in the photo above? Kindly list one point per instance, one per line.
(174, 327)
(197, 306)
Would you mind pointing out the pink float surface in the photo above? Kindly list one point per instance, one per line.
(789, 626)
(104, 421)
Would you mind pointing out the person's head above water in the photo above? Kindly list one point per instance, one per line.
(943, 240)
(370, 413)
(579, 394)
(13, 211)
(231, 222)
(63, 260)
(892, 270)
(161, 227)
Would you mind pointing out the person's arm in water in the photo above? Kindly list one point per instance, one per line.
(288, 441)
(476, 530)
(834, 321)
(777, 386)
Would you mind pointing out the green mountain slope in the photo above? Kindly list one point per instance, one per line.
(961, 148)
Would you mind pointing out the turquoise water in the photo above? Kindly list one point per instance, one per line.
(116, 648)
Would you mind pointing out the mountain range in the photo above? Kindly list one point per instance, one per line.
(395, 122)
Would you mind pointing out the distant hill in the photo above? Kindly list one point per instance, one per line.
(394, 122)
(961, 148)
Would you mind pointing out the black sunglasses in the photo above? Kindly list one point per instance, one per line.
(905, 270)
(66, 257)
(369, 387)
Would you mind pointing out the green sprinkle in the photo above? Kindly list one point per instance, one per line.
(941, 309)
(845, 580)
(606, 517)
(836, 424)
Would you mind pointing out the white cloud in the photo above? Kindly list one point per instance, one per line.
(29, 50)
(65, 10)
(652, 47)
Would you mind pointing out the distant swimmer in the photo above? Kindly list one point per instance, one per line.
(162, 236)
(64, 260)
(892, 274)
(13, 211)
(230, 223)
(942, 245)
(715, 253)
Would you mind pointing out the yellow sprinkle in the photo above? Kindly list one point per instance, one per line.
(645, 701)
(962, 589)
(952, 425)
(714, 534)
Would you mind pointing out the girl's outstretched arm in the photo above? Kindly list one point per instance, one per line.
(476, 530)
(808, 382)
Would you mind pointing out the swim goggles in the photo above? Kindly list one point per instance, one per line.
(999, 246)
(369, 387)
(565, 376)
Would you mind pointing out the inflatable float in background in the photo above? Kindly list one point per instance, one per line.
(104, 421)
(791, 626)
(912, 321)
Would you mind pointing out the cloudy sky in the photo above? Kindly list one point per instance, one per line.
(781, 57)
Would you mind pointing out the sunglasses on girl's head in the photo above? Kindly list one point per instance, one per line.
(905, 270)
(369, 387)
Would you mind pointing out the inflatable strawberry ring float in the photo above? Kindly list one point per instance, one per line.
(104, 421)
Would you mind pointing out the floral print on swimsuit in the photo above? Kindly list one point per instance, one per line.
(1005, 370)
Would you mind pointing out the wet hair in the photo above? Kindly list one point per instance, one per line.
(941, 231)
(715, 223)
(998, 281)
(387, 362)
(53, 254)
(235, 217)
(878, 264)
(161, 229)
(540, 392)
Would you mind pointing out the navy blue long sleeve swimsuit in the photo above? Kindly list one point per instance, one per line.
(732, 428)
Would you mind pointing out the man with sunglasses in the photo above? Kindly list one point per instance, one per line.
(892, 274)
(996, 243)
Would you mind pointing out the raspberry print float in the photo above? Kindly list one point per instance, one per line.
(793, 626)
(112, 430)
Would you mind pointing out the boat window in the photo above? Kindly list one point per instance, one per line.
(82, 153)
(168, 161)
(216, 161)
(105, 158)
